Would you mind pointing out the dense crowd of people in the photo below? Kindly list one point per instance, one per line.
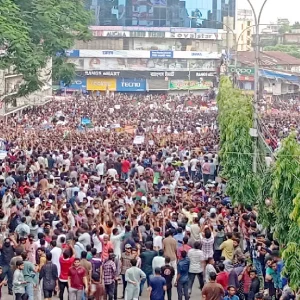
(103, 196)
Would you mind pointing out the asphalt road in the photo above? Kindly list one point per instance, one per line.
(196, 293)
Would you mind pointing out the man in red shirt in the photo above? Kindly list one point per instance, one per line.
(77, 281)
(125, 166)
(65, 263)
(222, 277)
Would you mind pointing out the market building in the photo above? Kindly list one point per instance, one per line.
(161, 46)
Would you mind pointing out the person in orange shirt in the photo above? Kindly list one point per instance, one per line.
(106, 245)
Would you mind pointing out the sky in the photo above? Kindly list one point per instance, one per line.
(274, 9)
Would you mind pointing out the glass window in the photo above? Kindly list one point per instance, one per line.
(161, 13)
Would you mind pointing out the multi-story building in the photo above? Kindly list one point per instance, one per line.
(10, 82)
(153, 45)
(244, 29)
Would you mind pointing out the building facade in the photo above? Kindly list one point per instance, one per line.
(9, 86)
(153, 45)
(162, 13)
(144, 70)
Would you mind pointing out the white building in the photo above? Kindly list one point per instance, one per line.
(10, 83)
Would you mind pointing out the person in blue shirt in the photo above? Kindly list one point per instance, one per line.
(231, 293)
(179, 237)
(157, 286)
(182, 280)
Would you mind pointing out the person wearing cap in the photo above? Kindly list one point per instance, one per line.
(133, 277)
(19, 282)
(126, 257)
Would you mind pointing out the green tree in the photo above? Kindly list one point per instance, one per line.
(296, 25)
(284, 29)
(235, 120)
(289, 49)
(285, 187)
(265, 207)
(33, 31)
(285, 206)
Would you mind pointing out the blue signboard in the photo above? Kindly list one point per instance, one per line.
(161, 54)
(68, 53)
(78, 84)
(72, 53)
(131, 85)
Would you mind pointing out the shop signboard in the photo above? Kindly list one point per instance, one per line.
(149, 74)
(78, 84)
(189, 85)
(101, 84)
(161, 54)
(131, 85)
(242, 70)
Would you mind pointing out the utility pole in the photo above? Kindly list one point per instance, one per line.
(256, 83)
(227, 35)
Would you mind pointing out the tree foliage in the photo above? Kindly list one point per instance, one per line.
(285, 192)
(265, 207)
(235, 121)
(285, 186)
(289, 49)
(33, 31)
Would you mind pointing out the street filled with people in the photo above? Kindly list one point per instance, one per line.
(119, 196)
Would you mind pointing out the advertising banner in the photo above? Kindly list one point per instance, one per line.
(196, 55)
(115, 53)
(189, 85)
(78, 84)
(150, 74)
(101, 84)
(116, 34)
(72, 53)
(158, 54)
(131, 85)
(140, 64)
(146, 28)
(161, 54)
(191, 35)
(242, 70)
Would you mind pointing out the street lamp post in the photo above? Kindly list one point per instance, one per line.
(256, 80)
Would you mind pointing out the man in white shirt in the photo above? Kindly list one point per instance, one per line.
(157, 240)
(112, 173)
(158, 261)
(81, 194)
(100, 168)
(56, 253)
(193, 164)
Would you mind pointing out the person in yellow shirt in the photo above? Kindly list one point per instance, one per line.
(190, 214)
(227, 247)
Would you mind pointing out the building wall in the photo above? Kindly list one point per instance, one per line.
(125, 43)
(9, 85)
(244, 35)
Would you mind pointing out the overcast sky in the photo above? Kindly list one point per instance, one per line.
(275, 9)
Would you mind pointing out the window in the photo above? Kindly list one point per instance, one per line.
(248, 32)
(248, 23)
